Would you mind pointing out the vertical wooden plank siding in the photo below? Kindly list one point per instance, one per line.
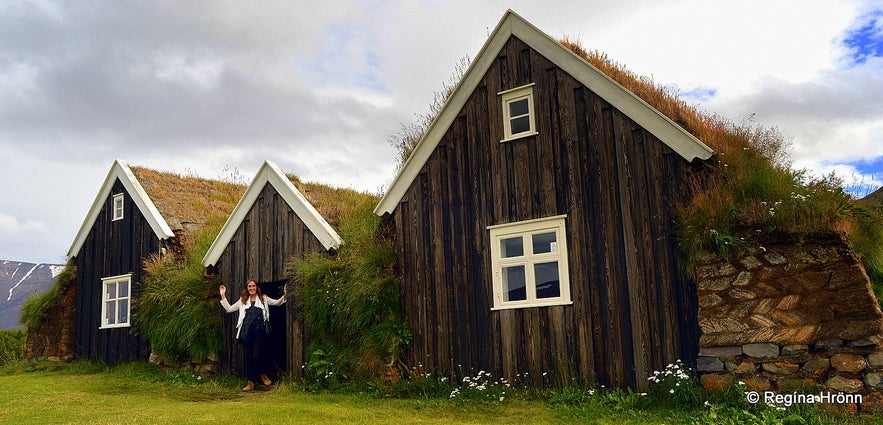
(269, 237)
(112, 248)
(615, 182)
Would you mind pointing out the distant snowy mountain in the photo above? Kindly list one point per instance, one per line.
(18, 280)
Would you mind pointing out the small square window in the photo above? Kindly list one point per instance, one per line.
(118, 202)
(529, 263)
(115, 301)
(518, 111)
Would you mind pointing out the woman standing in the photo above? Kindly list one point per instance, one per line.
(252, 328)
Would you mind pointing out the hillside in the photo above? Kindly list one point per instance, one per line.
(18, 280)
(875, 199)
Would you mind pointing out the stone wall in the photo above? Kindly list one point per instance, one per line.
(55, 339)
(792, 314)
(842, 366)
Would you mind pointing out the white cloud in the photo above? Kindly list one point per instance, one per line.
(11, 227)
(200, 86)
(726, 45)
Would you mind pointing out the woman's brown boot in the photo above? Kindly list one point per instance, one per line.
(249, 386)
(266, 380)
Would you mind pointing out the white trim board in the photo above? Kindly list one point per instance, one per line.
(270, 173)
(673, 135)
(120, 170)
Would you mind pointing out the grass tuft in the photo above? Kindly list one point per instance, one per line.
(37, 306)
(176, 310)
(752, 192)
(350, 301)
(12, 345)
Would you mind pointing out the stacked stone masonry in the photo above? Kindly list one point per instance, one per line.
(850, 367)
(790, 316)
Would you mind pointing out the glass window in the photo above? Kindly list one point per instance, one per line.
(118, 206)
(115, 301)
(124, 311)
(548, 285)
(518, 111)
(514, 283)
(518, 108)
(520, 125)
(529, 263)
(544, 242)
(512, 247)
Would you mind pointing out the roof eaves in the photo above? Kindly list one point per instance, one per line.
(270, 173)
(680, 140)
(120, 170)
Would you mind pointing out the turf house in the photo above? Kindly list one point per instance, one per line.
(533, 222)
(138, 214)
(272, 224)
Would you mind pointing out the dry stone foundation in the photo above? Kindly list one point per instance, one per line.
(788, 316)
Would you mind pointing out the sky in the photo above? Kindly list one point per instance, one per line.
(214, 88)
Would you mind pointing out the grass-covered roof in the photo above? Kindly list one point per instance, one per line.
(752, 194)
(334, 203)
(188, 202)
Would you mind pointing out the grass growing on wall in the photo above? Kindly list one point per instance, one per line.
(752, 193)
(177, 310)
(350, 301)
(12, 345)
(34, 309)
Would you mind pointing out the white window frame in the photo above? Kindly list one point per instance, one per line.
(116, 300)
(118, 205)
(526, 229)
(515, 95)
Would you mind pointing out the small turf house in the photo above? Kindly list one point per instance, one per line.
(272, 224)
(534, 223)
(137, 213)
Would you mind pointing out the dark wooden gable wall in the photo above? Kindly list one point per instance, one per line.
(112, 248)
(633, 308)
(269, 237)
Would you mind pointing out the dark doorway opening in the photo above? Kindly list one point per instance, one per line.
(277, 346)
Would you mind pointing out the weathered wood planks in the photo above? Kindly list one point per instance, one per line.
(615, 182)
(269, 237)
(112, 248)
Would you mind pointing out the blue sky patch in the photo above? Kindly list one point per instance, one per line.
(871, 177)
(700, 94)
(866, 38)
(344, 60)
(874, 166)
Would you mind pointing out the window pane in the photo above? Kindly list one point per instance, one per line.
(546, 275)
(544, 242)
(124, 311)
(110, 313)
(124, 289)
(110, 291)
(521, 125)
(118, 207)
(513, 284)
(518, 107)
(512, 247)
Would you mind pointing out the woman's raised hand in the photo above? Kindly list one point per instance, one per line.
(223, 291)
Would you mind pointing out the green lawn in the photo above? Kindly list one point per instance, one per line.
(101, 397)
(137, 394)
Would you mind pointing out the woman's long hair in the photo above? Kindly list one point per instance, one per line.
(244, 298)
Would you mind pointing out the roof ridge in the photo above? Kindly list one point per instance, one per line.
(673, 135)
